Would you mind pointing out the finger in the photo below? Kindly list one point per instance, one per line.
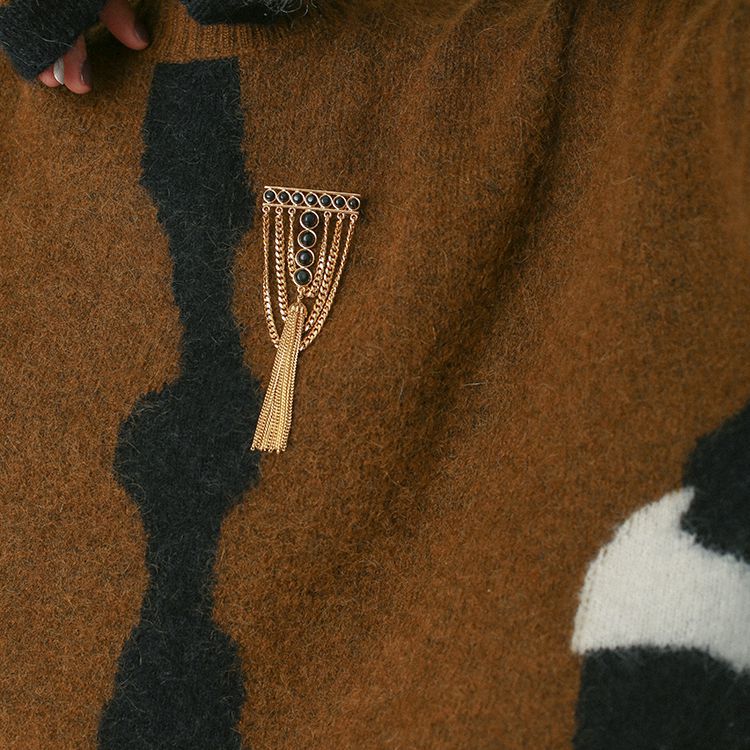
(77, 68)
(47, 77)
(120, 19)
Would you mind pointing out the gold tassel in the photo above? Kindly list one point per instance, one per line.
(275, 417)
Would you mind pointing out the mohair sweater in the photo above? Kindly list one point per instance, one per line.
(514, 511)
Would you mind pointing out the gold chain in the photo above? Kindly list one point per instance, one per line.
(267, 306)
(318, 277)
(290, 241)
(329, 294)
(280, 269)
(327, 274)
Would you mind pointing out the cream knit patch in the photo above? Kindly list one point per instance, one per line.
(655, 585)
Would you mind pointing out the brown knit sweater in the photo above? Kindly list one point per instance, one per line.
(514, 510)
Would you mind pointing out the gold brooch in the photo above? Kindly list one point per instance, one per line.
(312, 231)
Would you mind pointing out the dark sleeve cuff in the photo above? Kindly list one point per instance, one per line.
(34, 33)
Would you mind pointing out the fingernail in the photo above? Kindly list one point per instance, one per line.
(86, 73)
(58, 70)
(141, 32)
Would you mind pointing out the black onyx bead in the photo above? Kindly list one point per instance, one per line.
(269, 196)
(283, 196)
(311, 199)
(307, 238)
(325, 200)
(305, 258)
(302, 276)
(309, 219)
(339, 202)
(354, 203)
(298, 198)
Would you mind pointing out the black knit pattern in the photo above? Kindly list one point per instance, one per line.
(648, 698)
(252, 11)
(183, 454)
(719, 471)
(34, 33)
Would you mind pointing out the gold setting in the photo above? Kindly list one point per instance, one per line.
(330, 239)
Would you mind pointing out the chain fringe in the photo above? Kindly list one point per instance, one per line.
(275, 417)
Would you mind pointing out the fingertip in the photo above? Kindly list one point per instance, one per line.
(86, 73)
(77, 68)
(119, 18)
(142, 35)
(47, 77)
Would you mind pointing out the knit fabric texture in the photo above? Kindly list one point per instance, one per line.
(234, 11)
(34, 33)
(182, 453)
(514, 507)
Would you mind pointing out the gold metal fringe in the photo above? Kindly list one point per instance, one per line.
(275, 417)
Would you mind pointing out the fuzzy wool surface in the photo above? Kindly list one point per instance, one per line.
(35, 33)
(183, 453)
(544, 307)
(655, 585)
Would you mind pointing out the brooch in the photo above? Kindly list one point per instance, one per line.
(306, 238)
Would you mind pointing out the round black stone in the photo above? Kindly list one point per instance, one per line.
(354, 203)
(307, 238)
(339, 202)
(298, 198)
(302, 276)
(311, 199)
(284, 196)
(305, 258)
(269, 196)
(325, 200)
(309, 219)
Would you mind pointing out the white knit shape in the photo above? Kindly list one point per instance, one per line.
(655, 585)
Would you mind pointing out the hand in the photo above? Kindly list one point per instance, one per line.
(74, 67)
